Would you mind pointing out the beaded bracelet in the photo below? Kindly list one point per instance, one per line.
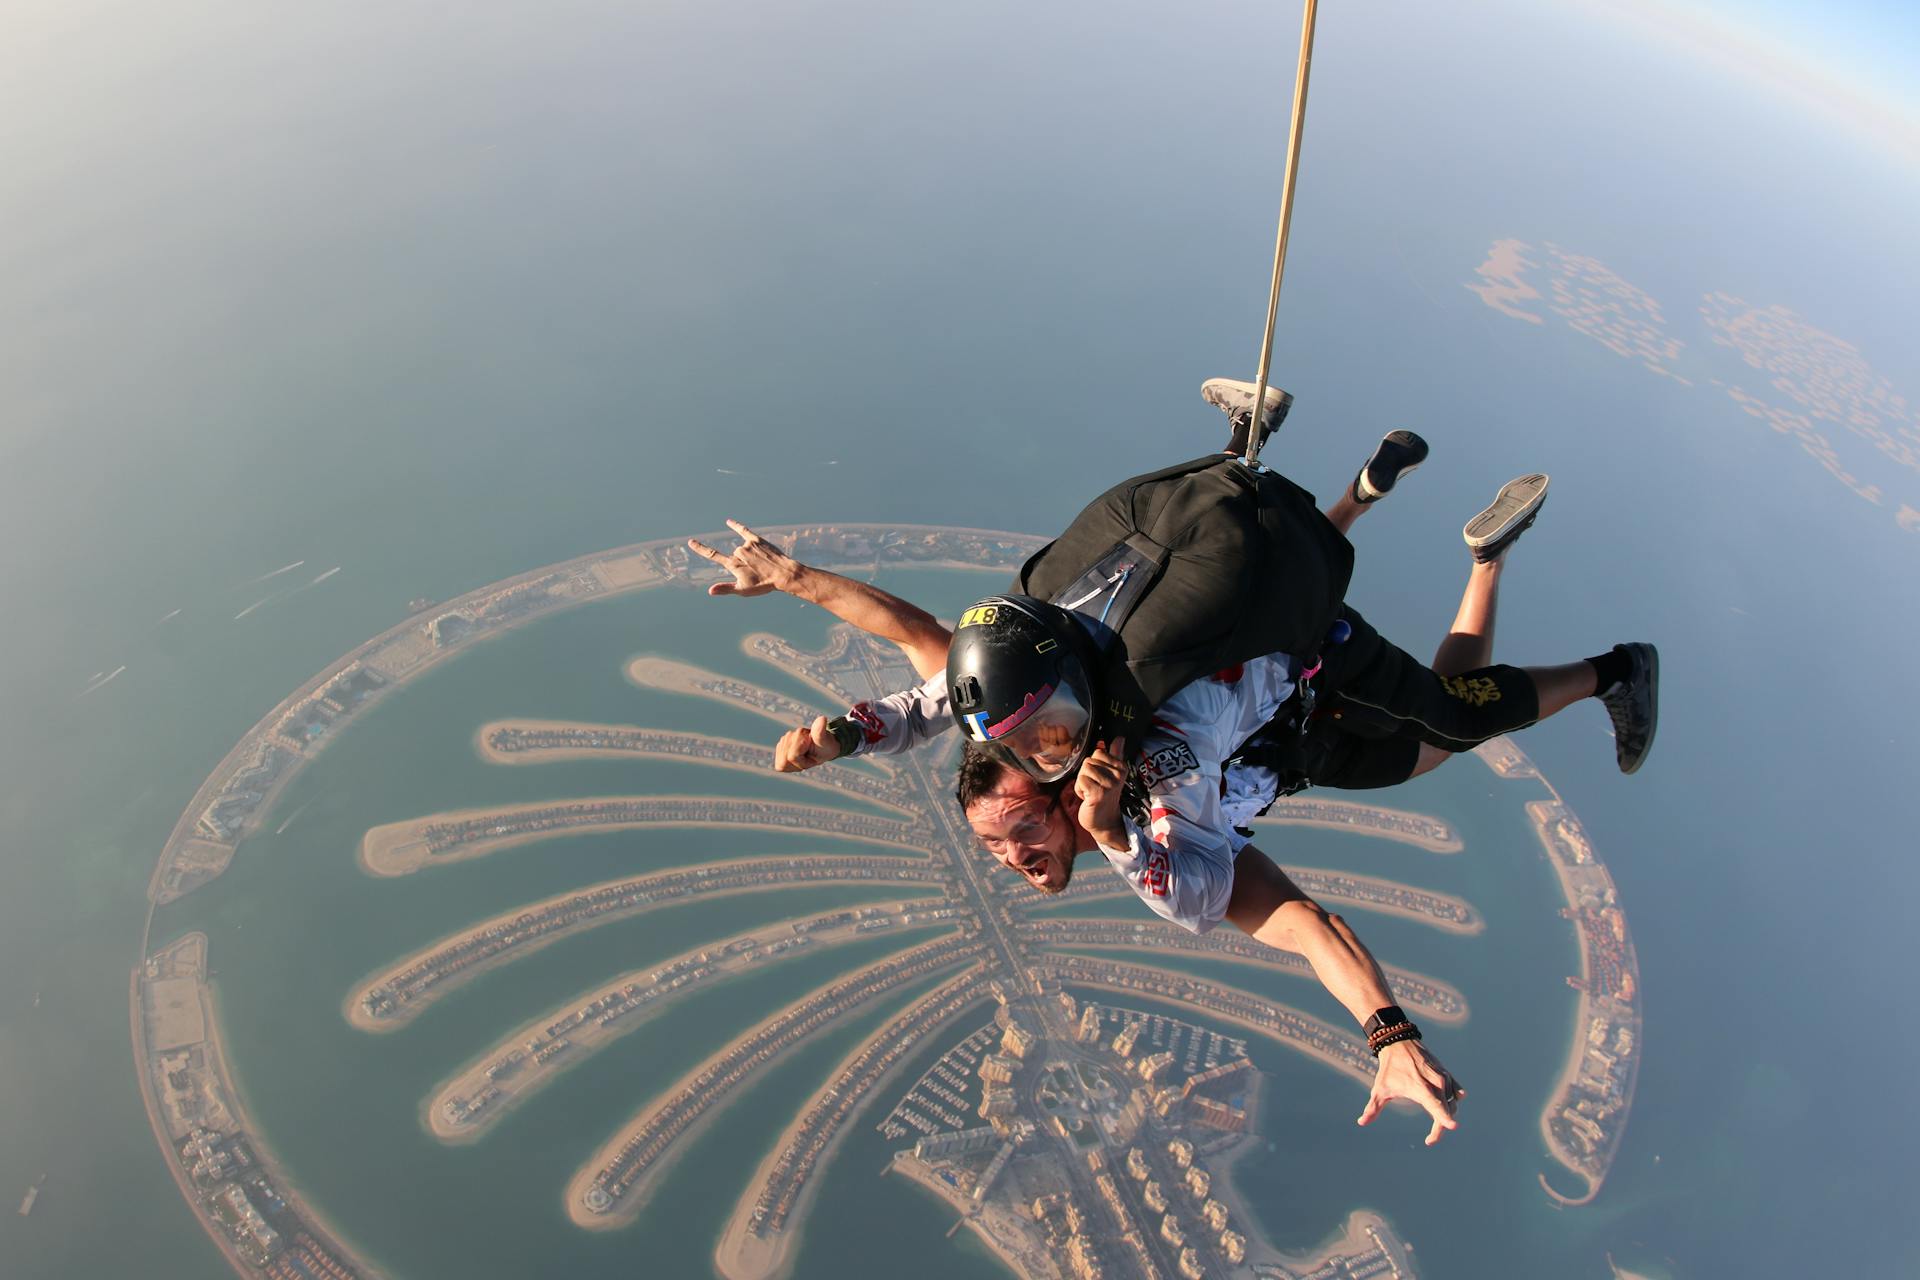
(1392, 1035)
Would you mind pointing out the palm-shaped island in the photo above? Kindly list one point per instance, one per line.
(1075, 1118)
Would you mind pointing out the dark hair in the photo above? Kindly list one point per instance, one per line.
(980, 776)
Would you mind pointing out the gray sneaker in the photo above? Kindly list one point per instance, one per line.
(1490, 533)
(1235, 399)
(1634, 706)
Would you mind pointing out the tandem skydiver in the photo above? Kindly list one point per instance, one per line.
(1216, 752)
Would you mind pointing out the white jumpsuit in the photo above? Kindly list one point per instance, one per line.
(1181, 863)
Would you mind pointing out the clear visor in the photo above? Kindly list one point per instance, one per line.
(1048, 743)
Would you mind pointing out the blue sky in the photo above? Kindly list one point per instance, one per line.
(1854, 59)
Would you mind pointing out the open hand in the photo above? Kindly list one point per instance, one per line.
(1408, 1071)
(806, 747)
(1099, 785)
(758, 566)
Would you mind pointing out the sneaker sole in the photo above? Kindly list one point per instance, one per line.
(1276, 398)
(1516, 500)
(1652, 677)
(1407, 444)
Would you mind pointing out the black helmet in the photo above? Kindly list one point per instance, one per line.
(1020, 684)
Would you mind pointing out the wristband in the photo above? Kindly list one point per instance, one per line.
(1391, 1016)
(846, 733)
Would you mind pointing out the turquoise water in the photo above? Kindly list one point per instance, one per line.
(296, 925)
(441, 297)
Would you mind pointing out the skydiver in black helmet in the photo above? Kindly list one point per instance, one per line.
(1168, 804)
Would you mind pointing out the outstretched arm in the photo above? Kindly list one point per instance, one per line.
(758, 566)
(1270, 907)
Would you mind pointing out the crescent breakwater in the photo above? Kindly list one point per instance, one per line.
(241, 790)
(1586, 1115)
(242, 787)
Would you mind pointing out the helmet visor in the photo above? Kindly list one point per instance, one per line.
(1046, 737)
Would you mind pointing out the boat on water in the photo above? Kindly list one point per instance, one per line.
(33, 1193)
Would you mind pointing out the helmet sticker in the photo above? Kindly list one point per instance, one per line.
(981, 615)
(1032, 704)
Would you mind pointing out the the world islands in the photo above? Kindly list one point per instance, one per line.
(1075, 1121)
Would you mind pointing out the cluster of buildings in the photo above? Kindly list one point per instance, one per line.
(445, 837)
(1276, 1020)
(1418, 827)
(600, 1016)
(1063, 1090)
(843, 1095)
(511, 603)
(311, 717)
(226, 815)
(517, 739)
(185, 1085)
(1430, 998)
(724, 688)
(654, 1135)
(397, 990)
(1387, 893)
(1589, 1115)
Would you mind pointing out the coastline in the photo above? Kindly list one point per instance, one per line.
(212, 1043)
(1565, 845)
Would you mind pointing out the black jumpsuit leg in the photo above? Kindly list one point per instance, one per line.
(1454, 713)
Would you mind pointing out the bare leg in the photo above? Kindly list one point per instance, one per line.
(1469, 642)
(1346, 510)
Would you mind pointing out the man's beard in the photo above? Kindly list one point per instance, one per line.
(1065, 880)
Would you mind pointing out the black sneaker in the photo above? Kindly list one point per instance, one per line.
(1634, 706)
(1400, 454)
(1490, 533)
(1235, 399)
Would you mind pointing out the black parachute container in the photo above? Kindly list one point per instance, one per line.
(1190, 570)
